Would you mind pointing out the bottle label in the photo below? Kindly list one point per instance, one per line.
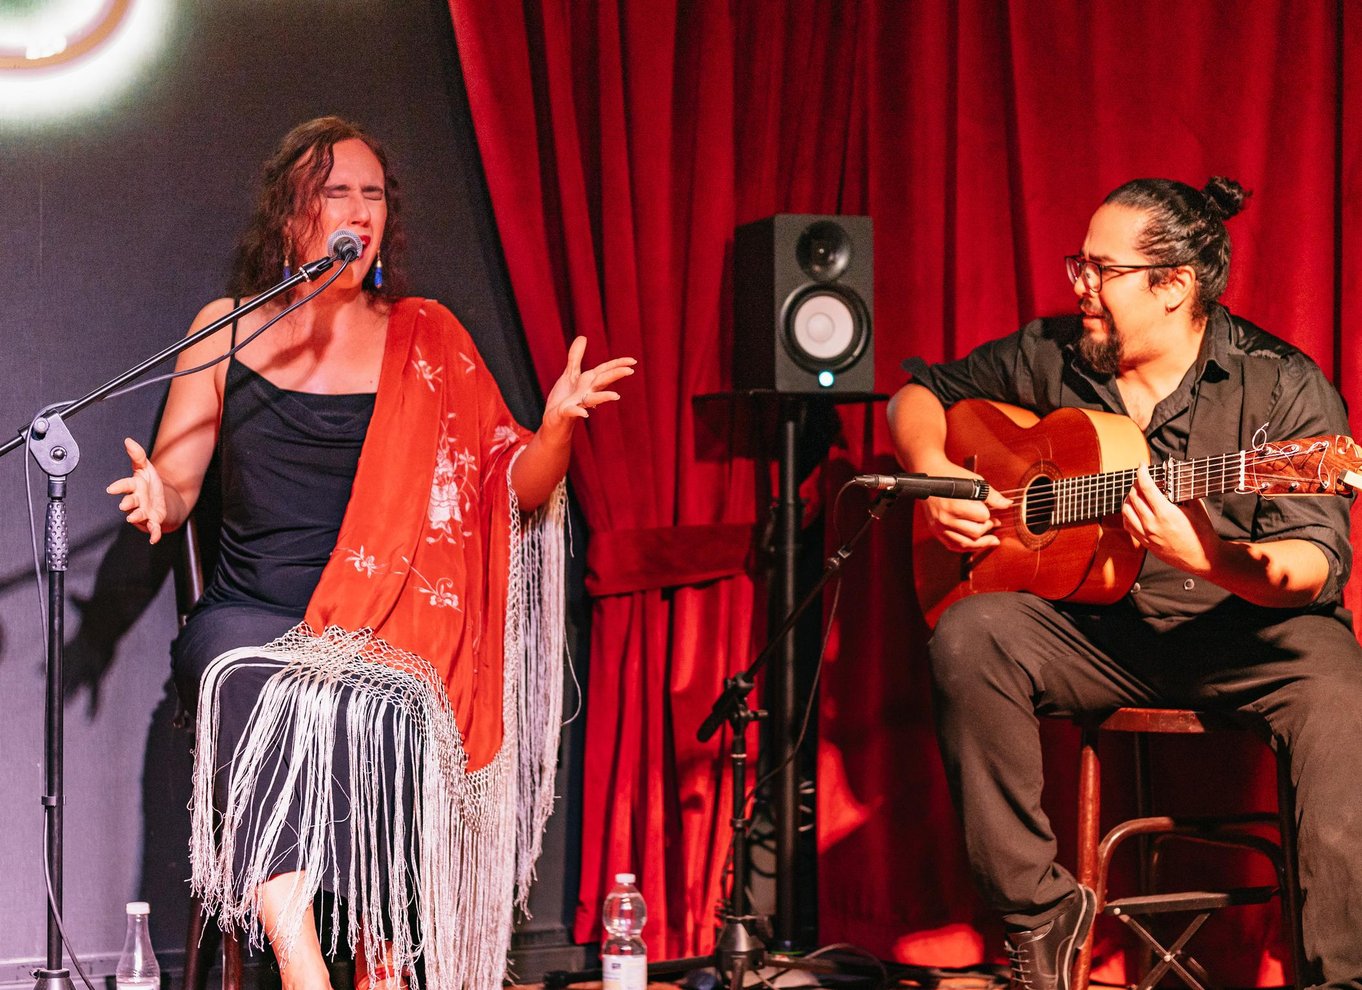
(624, 972)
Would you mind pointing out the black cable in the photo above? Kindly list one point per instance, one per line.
(813, 691)
(822, 651)
(231, 351)
(842, 947)
(803, 731)
(56, 915)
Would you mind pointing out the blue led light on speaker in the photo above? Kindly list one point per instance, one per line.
(826, 378)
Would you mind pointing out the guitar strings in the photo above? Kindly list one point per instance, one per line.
(1087, 493)
(1201, 471)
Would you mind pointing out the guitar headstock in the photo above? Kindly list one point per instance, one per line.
(1323, 465)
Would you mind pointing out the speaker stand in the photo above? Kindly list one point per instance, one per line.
(782, 687)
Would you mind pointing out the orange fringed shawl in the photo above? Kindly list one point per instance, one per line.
(423, 554)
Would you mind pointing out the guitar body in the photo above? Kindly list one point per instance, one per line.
(1019, 454)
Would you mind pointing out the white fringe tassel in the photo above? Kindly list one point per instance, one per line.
(468, 851)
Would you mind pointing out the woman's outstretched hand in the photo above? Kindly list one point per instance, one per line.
(577, 392)
(144, 498)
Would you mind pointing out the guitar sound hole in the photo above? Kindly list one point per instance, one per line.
(1038, 506)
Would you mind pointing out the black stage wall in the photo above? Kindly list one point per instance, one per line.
(116, 225)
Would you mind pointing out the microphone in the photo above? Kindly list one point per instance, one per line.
(344, 245)
(924, 486)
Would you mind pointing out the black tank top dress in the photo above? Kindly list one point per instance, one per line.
(288, 462)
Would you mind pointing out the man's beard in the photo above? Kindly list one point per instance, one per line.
(1102, 356)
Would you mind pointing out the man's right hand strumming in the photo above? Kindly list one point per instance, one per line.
(917, 423)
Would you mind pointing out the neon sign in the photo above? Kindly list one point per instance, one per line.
(64, 56)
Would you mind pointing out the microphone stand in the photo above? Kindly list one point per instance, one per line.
(737, 950)
(51, 444)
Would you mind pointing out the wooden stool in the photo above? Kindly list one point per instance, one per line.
(1095, 850)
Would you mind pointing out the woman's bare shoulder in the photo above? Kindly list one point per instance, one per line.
(214, 345)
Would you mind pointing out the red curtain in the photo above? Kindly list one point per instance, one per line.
(622, 142)
(605, 131)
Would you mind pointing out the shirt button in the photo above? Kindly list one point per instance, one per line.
(1135, 588)
(1188, 585)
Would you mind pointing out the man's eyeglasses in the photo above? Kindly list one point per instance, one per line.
(1093, 274)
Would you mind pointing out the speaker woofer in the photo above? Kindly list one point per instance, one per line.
(826, 328)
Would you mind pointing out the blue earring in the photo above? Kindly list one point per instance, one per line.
(288, 272)
(378, 271)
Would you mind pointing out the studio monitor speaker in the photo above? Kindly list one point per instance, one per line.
(803, 298)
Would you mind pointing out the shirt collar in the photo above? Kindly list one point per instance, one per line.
(1213, 361)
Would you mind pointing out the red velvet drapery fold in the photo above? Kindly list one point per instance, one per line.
(605, 134)
(622, 142)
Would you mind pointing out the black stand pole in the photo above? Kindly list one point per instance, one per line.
(785, 697)
(51, 444)
(57, 454)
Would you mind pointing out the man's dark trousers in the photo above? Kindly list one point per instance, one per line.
(1001, 660)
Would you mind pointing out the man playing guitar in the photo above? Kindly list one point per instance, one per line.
(1237, 605)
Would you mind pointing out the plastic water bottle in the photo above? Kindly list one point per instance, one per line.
(624, 958)
(137, 966)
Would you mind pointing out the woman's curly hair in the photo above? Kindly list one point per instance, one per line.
(291, 185)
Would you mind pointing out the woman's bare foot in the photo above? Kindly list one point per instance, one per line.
(301, 966)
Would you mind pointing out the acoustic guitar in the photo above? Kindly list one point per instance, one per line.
(1067, 475)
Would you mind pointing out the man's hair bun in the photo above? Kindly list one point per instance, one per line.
(1224, 197)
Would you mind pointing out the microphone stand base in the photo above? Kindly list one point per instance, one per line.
(738, 952)
(52, 979)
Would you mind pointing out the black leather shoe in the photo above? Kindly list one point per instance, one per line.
(1043, 958)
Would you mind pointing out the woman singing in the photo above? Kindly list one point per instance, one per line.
(376, 660)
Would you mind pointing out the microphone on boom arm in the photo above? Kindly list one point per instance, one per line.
(924, 486)
(344, 245)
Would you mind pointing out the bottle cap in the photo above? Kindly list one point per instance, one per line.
(624, 878)
(139, 907)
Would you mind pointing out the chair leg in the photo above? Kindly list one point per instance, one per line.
(199, 947)
(1089, 834)
(1171, 956)
(1291, 890)
(1146, 850)
(231, 961)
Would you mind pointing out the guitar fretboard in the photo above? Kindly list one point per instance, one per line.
(1086, 497)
